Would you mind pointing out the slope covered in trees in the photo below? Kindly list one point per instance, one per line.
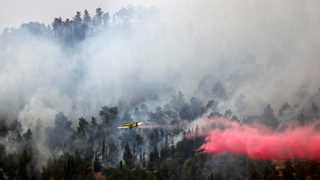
(90, 146)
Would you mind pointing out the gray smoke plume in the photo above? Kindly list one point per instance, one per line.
(251, 53)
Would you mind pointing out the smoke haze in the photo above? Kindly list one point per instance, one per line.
(66, 85)
(262, 52)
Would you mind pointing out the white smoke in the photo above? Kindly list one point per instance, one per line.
(262, 51)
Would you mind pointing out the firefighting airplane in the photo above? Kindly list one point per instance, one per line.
(130, 125)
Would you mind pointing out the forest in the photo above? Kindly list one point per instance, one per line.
(91, 146)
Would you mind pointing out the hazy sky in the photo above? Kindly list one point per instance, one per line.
(15, 12)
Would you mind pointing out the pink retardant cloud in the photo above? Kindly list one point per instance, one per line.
(258, 142)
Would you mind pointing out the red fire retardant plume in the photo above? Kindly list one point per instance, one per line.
(257, 142)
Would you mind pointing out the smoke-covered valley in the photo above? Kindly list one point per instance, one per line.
(69, 84)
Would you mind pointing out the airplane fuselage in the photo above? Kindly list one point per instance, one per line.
(130, 125)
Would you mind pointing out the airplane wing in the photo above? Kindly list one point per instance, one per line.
(124, 126)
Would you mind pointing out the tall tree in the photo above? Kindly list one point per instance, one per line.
(98, 17)
(86, 17)
(269, 118)
(128, 156)
(83, 127)
(108, 114)
(77, 18)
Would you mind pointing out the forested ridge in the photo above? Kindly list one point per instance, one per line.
(92, 147)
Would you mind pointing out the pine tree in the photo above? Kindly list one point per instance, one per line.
(128, 157)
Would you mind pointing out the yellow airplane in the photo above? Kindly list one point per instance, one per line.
(130, 125)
